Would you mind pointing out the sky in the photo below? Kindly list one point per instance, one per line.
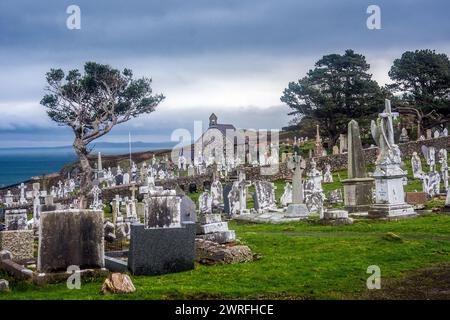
(230, 57)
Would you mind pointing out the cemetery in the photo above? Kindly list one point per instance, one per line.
(218, 227)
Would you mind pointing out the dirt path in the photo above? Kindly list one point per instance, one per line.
(354, 234)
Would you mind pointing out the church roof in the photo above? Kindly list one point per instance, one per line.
(222, 127)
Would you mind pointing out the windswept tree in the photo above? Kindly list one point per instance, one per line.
(92, 104)
(337, 90)
(422, 78)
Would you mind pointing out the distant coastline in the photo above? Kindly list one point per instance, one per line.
(21, 163)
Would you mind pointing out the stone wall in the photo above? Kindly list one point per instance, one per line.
(19, 242)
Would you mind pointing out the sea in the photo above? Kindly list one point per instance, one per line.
(20, 164)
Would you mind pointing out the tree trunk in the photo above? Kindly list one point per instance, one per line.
(86, 172)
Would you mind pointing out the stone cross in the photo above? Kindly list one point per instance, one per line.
(298, 164)
(243, 184)
(133, 190)
(22, 199)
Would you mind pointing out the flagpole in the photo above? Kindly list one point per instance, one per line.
(129, 146)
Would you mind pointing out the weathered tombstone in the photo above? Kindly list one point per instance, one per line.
(429, 134)
(416, 165)
(205, 202)
(264, 197)
(335, 150)
(16, 219)
(335, 197)
(119, 179)
(436, 134)
(216, 194)
(404, 136)
(126, 178)
(358, 187)
(188, 209)
(163, 210)
(226, 191)
(416, 198)
(343, 143)
(389, 196)
(286, 197)
(70, 237)
(446, 207)
(328, 176)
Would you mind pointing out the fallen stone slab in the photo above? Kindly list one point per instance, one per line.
(219, 237)
(209, 253)
(118, 283)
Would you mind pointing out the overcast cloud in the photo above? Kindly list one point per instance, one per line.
(231, 57)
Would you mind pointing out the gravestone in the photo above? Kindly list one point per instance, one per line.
(16, 219)
(205, 203)
(416, 165)
(404, 136)
(446, 207)
(162, 210)
(264, 196)
(211, 227)
(216, 194)
(336, 217)
(335, 150)
(188, 209)
(70, 237)
(226, 191)
(286, 197)
(358, 187)
(155, 251)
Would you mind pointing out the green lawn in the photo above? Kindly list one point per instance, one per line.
(291, 265)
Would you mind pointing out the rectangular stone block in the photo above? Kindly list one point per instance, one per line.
(210, 218)
(19, 242)
(219, 237)
(70, 237)
(416, 197)
(212, 227)
(162, 250)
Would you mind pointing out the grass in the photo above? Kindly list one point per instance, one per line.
(291, 266)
